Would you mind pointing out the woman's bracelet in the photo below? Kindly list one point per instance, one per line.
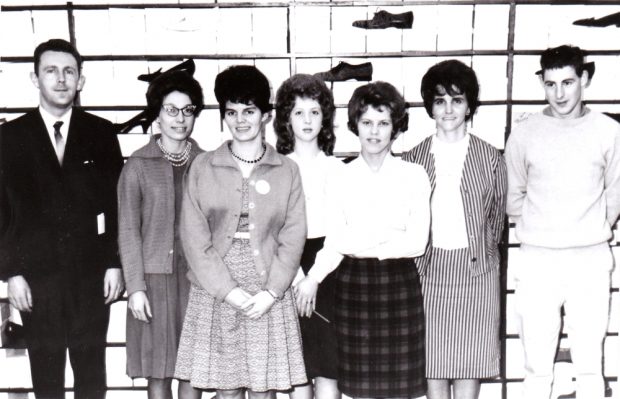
(273, 294)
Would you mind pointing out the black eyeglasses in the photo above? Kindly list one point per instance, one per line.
(188, 110)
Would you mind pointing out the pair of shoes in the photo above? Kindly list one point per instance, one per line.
(344, 71)
(383, 19)
(139, 120)
(608, 20)
(187, 66)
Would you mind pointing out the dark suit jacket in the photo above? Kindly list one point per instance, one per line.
(53, 211)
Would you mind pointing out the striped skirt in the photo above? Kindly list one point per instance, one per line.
(462, 318)
(380, 328)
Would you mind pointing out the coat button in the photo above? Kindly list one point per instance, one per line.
(251, 205)
(251, 226)
(252, 182)
(474, 259)
(171, 251)
(263, 273)
(256, 252)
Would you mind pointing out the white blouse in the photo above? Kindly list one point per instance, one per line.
(314, 173)
(448, 225)
(383, 214)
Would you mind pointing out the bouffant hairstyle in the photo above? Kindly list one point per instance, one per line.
(377, 95)
(168, 82)
(452, 77)
(243, 84)
(304, 86)
(59, 45)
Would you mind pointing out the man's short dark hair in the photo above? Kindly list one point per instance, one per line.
(59, 45)
(562, 56)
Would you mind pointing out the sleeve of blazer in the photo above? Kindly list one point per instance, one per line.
(129, 227)
(291, 239)
(111, 160)
(498, 205)
(203, 259)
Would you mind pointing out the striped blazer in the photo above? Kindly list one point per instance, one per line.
(483, 190)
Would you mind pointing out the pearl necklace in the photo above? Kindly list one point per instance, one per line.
(179, 159)
(245, 160)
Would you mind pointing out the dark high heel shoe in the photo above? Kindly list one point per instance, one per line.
(383, 19)
(344, 71)
(142, 119)
(188, 66)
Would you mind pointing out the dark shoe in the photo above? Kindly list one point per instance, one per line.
(608, 20)
(344, 71)
(187, 66)
(13, 336)
(383, 19)
(141, 119)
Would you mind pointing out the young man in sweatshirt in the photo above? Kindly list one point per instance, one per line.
(564, 195)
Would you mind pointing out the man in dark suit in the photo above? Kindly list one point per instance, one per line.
(60, 166)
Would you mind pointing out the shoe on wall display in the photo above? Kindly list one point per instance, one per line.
(383, 19)
(187, 66)
(608, 20)
(344, 71)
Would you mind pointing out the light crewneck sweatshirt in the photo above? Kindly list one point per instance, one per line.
(564, 179)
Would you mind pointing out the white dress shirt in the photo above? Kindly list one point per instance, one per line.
(383, 214)
(49, 120)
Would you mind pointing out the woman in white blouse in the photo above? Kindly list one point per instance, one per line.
(378, 220)
(460, 269)
(304, 125)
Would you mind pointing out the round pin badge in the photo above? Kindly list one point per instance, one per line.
(262, 187)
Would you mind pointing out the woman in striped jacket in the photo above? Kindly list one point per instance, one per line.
(460, 268)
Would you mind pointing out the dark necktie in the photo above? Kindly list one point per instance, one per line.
(60, 141)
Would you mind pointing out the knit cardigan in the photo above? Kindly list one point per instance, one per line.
(146, 212)
(210, 215)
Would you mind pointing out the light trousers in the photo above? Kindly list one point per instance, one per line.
(579, 280)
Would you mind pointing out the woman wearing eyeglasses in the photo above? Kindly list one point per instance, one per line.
(149, 198)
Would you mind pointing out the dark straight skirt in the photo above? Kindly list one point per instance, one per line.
(319, 336)
(380, 328)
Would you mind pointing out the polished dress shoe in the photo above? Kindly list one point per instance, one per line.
(608, 20)
(142, 119)
(187, 66)
(383, 19)
(344, 71)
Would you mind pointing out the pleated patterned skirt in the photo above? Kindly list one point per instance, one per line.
(462, 318)
(380, 328)
(221, 348)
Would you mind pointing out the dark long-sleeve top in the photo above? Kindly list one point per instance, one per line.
(483, 191)
(146, 214)
(210, 214)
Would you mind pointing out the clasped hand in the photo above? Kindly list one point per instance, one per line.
(251, 306)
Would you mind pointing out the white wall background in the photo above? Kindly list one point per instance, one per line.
(500, 39)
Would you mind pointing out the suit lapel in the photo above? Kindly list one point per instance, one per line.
(42, 145)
